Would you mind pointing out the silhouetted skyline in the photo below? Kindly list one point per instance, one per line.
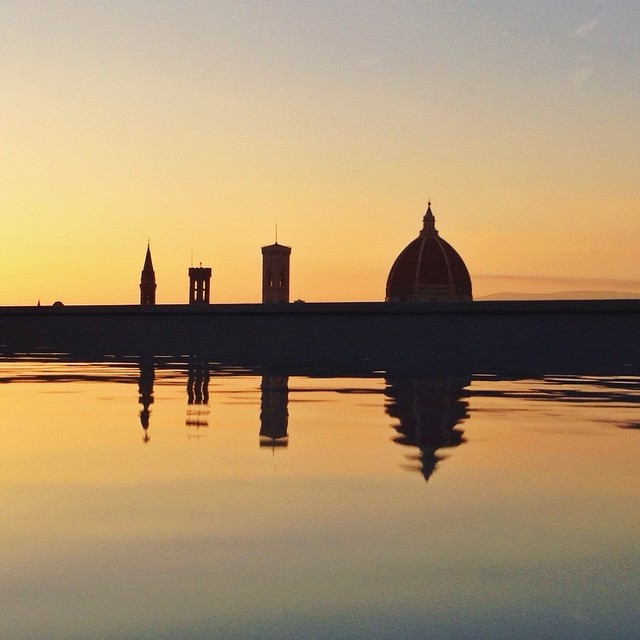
(333, 120)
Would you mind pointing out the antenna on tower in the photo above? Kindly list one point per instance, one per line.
(276, 233)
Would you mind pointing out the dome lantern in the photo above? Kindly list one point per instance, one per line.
(428, 223)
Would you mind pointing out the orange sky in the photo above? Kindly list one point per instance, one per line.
(201, 127)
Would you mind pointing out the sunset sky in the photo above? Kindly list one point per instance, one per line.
(201, 125)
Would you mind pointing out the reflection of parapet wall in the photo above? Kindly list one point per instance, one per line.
(549, 335)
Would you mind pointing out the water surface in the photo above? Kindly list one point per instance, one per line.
(175, 499)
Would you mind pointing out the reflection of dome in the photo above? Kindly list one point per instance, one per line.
(429, 411)
(428, 269)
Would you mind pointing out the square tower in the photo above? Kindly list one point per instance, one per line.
(199, 285)
(275, 273)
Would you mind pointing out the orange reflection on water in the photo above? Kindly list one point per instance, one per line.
(528, 509)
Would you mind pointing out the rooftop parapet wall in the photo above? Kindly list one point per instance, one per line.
(484, 307)
(476, 336)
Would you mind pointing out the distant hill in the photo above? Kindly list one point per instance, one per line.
(563, 295)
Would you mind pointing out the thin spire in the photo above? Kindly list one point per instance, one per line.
(276, 233)
(148, 280)
(148, 263)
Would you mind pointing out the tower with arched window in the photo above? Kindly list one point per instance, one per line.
(275, 273)
(199, 285)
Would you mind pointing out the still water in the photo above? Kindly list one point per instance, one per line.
(159, 499)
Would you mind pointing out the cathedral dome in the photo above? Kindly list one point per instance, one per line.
(428, 269)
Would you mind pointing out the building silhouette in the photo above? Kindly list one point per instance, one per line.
(275, 273)
(148, 280)
(428, 269)
(199, 285)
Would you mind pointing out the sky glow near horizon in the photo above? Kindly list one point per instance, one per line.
(201, 125)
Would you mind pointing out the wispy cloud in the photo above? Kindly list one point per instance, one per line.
(516, 286)
(585, 30)
(609, 283)
(581, 75)
(584, 69)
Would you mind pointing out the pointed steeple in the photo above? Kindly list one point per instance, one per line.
(148, 264)
(148, 280)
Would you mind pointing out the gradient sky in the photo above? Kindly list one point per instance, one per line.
(200, 125)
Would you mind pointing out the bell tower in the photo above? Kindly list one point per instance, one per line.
(275, 273)
(148, 281)
(199, 285)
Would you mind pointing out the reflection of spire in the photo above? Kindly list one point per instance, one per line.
(145, 390)
(429, 410)
(274, 414)
(198, 393)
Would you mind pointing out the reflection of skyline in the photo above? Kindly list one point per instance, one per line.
(274, 412)
(274, 399)
(427, 412)
(429, 409)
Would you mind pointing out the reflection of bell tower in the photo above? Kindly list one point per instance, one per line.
(275, 273)
(198, 393)
(145, 391)
(429, 409)
(199, 285)
(148, 281)
(274, 414)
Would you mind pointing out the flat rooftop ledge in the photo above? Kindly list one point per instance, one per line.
(337, 308)
(480, 336)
